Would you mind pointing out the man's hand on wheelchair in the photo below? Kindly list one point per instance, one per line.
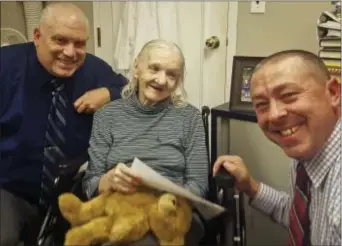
(244, 182)
(120, 178)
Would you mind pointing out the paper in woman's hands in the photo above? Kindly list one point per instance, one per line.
(154, 180)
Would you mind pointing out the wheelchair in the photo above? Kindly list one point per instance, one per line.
(226, 229)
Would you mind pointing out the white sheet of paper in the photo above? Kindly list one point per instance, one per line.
(154, 180)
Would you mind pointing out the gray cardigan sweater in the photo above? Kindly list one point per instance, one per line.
(170, 140)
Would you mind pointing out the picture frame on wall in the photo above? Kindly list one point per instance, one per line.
(240, 97)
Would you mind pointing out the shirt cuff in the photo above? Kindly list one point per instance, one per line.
(265, 199)
(92, 187)
(114, 93)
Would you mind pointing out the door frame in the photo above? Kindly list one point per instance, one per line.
(231, 48)
(100, 16)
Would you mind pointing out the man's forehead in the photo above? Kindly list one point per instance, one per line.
(281, 69)
(281, 74)
(74, 29)
(284, 66)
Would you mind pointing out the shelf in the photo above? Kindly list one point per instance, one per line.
(223, 111)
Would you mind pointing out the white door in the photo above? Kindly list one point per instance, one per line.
(206, 80)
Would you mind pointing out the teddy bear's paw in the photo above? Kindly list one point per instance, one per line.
(69, 203)
(129, 229)
(78, 236)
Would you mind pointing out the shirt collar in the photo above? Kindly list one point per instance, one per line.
(134, 99)
(319, 166)
(39, 73)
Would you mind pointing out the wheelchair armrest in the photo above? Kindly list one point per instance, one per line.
(71, 167)
(79, 176)
(70, 180)
(224, 179)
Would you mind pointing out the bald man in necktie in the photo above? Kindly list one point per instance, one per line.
(49, 90)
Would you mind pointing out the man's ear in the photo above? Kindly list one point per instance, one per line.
(334, 91)
(36, 35)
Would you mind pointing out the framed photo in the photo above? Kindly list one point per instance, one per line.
(240, 96)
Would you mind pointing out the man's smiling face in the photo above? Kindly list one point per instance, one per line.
(295, 106)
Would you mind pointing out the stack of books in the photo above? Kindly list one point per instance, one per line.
(329, 36)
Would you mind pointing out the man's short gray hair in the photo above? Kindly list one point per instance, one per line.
(51, 10)
(310, 60)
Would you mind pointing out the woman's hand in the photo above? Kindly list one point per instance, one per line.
(120, 178)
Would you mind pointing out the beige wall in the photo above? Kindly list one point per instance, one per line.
(12, 15)
(284, 25)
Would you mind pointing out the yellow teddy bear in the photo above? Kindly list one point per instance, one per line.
(123, 218)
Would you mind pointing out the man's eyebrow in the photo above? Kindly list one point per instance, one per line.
(278, 88)
(287, 85)
(258, 97)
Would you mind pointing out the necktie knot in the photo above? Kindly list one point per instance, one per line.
(56, 86)
(303, 179)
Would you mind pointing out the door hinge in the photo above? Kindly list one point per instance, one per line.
(227, 41)
(98, 34)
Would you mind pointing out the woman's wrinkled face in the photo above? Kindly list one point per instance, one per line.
(157, 73)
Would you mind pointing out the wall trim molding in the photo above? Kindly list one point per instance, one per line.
(97, 24)
(202, 46)
(231, 49)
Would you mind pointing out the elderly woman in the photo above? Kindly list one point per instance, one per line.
(153, 122)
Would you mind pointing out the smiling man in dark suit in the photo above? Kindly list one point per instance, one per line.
(49, 90)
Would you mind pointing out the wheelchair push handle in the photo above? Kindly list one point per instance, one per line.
(224, 179)
(205, 110)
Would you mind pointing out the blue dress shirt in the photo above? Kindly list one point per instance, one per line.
(25, 99)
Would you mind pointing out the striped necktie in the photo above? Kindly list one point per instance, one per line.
(299, 222)
(54, 143)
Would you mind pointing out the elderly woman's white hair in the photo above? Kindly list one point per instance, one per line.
(178, 96)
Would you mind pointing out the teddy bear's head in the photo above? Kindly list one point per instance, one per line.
(167, 204)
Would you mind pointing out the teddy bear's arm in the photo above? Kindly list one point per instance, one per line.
(77, 212)
(93, 208)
